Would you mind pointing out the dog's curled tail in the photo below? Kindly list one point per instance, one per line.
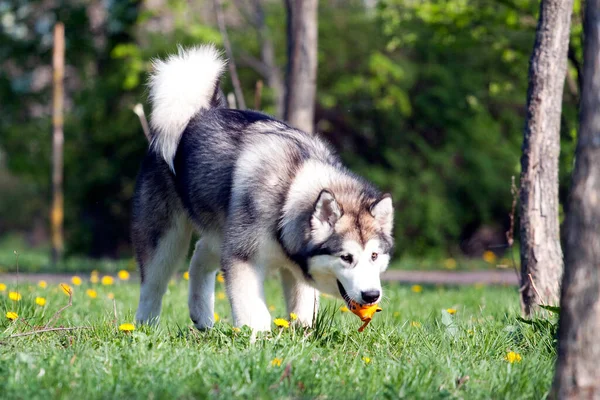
(180, 87)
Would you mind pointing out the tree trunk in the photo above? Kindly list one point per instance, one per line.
(266, 66)
(301, 79)
(235, 81)
(57, 209)
(541, 254)
(267, 54)
(578, 367)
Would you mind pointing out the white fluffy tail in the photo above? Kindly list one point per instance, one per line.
(180, 86)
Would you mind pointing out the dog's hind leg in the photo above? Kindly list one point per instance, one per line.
(203, 269)
(160, 232)
(158, 263)
(301, 299)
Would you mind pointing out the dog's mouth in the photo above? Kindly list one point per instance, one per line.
(343, 293)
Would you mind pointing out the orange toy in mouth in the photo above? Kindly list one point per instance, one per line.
(364, 312)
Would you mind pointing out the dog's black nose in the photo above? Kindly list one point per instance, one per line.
(370, 296)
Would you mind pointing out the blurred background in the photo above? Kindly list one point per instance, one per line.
(425, 98)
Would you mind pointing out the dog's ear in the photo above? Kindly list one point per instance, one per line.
(383, 212)
(326, 213)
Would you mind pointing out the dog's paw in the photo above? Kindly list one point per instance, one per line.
(202, 322)
(257, 323)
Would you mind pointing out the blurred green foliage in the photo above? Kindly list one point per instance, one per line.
(425, 98)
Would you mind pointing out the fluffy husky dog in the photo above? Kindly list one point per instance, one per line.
(261, 194)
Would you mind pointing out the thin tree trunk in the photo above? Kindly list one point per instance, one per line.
(301, 79)
(57, 209)
(541, 254)
(578, 367)
(237, 87)
(267, 67)
(267, 54)
(258, 94)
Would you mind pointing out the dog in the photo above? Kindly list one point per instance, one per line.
(261, 194)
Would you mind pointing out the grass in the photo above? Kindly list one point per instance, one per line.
(37, 260)
(413, 349)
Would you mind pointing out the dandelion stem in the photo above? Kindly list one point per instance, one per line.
(57, 314)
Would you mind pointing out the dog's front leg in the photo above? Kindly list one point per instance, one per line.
(245, 288)
(301, 299)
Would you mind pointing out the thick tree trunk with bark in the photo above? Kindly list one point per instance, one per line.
(541, 254)
(301, 79)
(578, 365)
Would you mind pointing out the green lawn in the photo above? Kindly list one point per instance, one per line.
(37, 260)
(412, 349)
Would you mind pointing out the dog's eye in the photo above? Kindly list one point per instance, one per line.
(374, 256)
(347, 258)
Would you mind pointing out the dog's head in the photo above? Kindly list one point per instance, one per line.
(352, 241)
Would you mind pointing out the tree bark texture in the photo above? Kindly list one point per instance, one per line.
(301, 79)
(541, 254)
(57, 209)
(578, 365)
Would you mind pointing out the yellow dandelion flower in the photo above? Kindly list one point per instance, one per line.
(344, 309)
(366, 360)
(43, 284)
(221, 296)
(220, 278)
(282, 323)
(2, 287)
(216, 316)
(12, 315)
(293, 316)
(451, 311)
(76, 280)
(94, 278)
(271, 308)
(68, 290)
(236, 329)
(276, 362)
(489, 256)
(470, 332)
(512, 357)
(415, 324)
(111, 295)
(91, 293)
(14, 296)
(186, 275)
(417, 288)
(450, 263)
(40, 301)
(123, 275)
(127, 327)
(107, 280)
